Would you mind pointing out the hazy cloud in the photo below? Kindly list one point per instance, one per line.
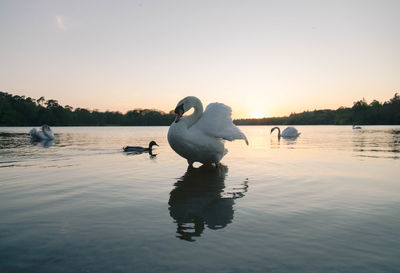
(60, 22)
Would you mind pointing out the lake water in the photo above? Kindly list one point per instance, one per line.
(326, 202)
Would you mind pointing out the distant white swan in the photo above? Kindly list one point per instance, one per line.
(44, 134)
(200, 136)
(289, 132)
(356, 127)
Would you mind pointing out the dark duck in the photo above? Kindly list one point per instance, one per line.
(139, 149)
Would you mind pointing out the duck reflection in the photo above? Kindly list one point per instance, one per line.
(151, 154)
(200, 199)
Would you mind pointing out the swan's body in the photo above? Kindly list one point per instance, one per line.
(289, 132)
(44, 134)
(356, 127)
(200, 136)
(139, 149)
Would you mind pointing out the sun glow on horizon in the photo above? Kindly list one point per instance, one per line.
(258, 115)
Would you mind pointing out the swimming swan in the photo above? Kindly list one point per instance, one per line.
(289, 132)
(139, 149)
(200, 136)
(44, 134)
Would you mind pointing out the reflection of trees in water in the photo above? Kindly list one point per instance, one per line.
(377, 141)
(13, 140)
(395, 143)
(200, 199)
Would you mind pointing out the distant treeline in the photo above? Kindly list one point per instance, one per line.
(26, 111)
(374, 113)
(22, 111)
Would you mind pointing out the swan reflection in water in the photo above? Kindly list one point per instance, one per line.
(44, 143)
(200, 199)
(276, 142)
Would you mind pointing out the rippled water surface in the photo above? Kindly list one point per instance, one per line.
(328, 201)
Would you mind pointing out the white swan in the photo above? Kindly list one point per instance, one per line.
(44, 134)
(289, 132)
(200, 136)
(356, 127)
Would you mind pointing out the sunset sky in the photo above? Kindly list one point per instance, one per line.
(262, 58)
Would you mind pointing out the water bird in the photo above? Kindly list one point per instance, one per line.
(44, 134)
(288, 132)
(356, 127)
(139, 149)
(200, 136)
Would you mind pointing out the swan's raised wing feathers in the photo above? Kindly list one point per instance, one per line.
(216, 121)
(290, 132)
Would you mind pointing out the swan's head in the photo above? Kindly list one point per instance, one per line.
(47, 131)
(179, 110)
(45, 127)
(185, 105)
(279, 131)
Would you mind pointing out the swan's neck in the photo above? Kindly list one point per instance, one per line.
(198, 111)
(45, 132)
(279, 131)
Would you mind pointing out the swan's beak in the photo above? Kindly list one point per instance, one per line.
(179, 112)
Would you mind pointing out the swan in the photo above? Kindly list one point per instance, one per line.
(200, 136)
(139, 149)
(289, 132)
(44, 134)
(356, 127)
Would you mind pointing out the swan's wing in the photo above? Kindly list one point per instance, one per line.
(290, 131)
(216, 121)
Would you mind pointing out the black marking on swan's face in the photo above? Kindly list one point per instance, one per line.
(179, 112)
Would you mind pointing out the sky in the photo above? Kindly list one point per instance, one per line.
(262, 58)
